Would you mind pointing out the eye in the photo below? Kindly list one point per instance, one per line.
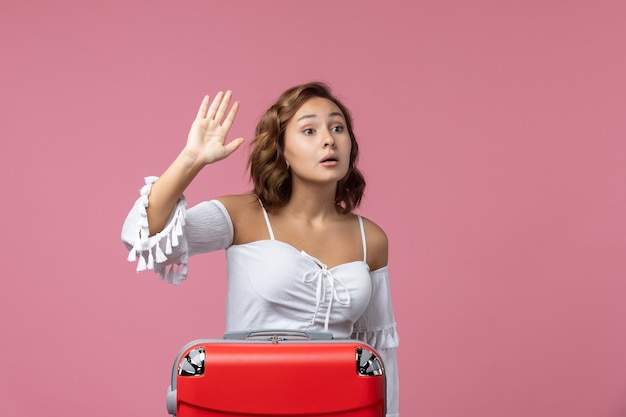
(308, 131)
(338, 128)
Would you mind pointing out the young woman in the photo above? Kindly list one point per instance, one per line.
(298, 257)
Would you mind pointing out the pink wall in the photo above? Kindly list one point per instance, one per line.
(494, 141)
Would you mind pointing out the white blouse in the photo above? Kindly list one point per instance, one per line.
(272, 285)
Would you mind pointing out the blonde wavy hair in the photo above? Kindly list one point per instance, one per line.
(267, 165)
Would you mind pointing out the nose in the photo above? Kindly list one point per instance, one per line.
(328, 139)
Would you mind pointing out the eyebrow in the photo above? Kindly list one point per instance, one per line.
(310, 116)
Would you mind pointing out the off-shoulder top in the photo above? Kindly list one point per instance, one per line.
(271, 284)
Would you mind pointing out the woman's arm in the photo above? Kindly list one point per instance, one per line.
(377, 245)
(205, 145)
(377, 325)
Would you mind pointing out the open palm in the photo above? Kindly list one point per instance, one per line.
(207, 136)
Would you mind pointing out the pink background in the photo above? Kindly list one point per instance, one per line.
(493, 138)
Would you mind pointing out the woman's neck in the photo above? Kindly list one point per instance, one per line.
(312, 202)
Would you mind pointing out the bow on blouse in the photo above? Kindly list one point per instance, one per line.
(326, 283)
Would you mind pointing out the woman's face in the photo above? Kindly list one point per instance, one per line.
(317, 142)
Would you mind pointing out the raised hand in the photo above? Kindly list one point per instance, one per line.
(206, 141)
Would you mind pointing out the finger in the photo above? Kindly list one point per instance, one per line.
(214, 105)
(230, 118)
(233, 145)
(221, 110)
(203, 108)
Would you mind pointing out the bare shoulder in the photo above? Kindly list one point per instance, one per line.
(237, 203)
(377, 245)
(247, 216)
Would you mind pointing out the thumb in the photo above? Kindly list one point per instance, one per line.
(233, 145)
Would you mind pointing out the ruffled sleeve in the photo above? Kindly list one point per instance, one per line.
(377, 327)
(205, 227)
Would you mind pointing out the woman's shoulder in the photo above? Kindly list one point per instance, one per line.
(238, 202)
(377, 244)
(240, 206)
(246, 213)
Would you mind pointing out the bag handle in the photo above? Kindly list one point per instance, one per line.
(277, 335)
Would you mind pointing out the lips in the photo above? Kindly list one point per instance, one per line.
(330, 158)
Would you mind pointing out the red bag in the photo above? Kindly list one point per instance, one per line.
(277, 373)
